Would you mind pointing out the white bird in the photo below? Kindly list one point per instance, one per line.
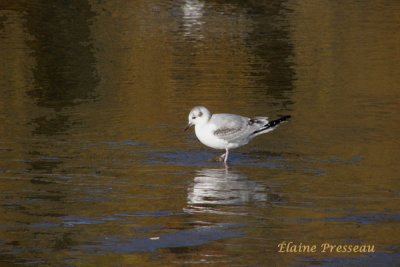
(228, 131)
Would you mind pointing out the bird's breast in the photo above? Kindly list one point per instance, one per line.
(205, 134)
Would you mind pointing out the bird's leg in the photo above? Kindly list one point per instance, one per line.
(226, 155)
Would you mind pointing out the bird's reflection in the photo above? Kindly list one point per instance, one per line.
(224, 187)
(192, 17)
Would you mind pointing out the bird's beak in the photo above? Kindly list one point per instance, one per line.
(188, 126)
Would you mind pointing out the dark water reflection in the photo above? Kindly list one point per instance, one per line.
(65, 70)
(96, 171)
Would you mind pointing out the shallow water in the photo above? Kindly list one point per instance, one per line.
(95, 167)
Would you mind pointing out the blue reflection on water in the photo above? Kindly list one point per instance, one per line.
(185, 238)
(376, 218)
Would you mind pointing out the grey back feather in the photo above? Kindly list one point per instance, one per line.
(231, 127)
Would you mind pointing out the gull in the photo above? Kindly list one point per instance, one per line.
(228, 131)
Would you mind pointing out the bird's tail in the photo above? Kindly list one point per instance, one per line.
(271, 125)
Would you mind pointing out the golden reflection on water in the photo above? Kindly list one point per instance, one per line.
(94, 96)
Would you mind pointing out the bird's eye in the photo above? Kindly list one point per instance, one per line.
(193, 117)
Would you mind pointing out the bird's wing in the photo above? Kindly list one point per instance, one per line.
(230, 127)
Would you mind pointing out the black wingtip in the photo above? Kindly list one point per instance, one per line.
(277, 121)
(273, 123)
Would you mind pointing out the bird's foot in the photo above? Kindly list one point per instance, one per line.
(220, 158)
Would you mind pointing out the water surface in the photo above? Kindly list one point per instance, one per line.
(95, 168)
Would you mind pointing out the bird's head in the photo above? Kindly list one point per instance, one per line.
(198, 115)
